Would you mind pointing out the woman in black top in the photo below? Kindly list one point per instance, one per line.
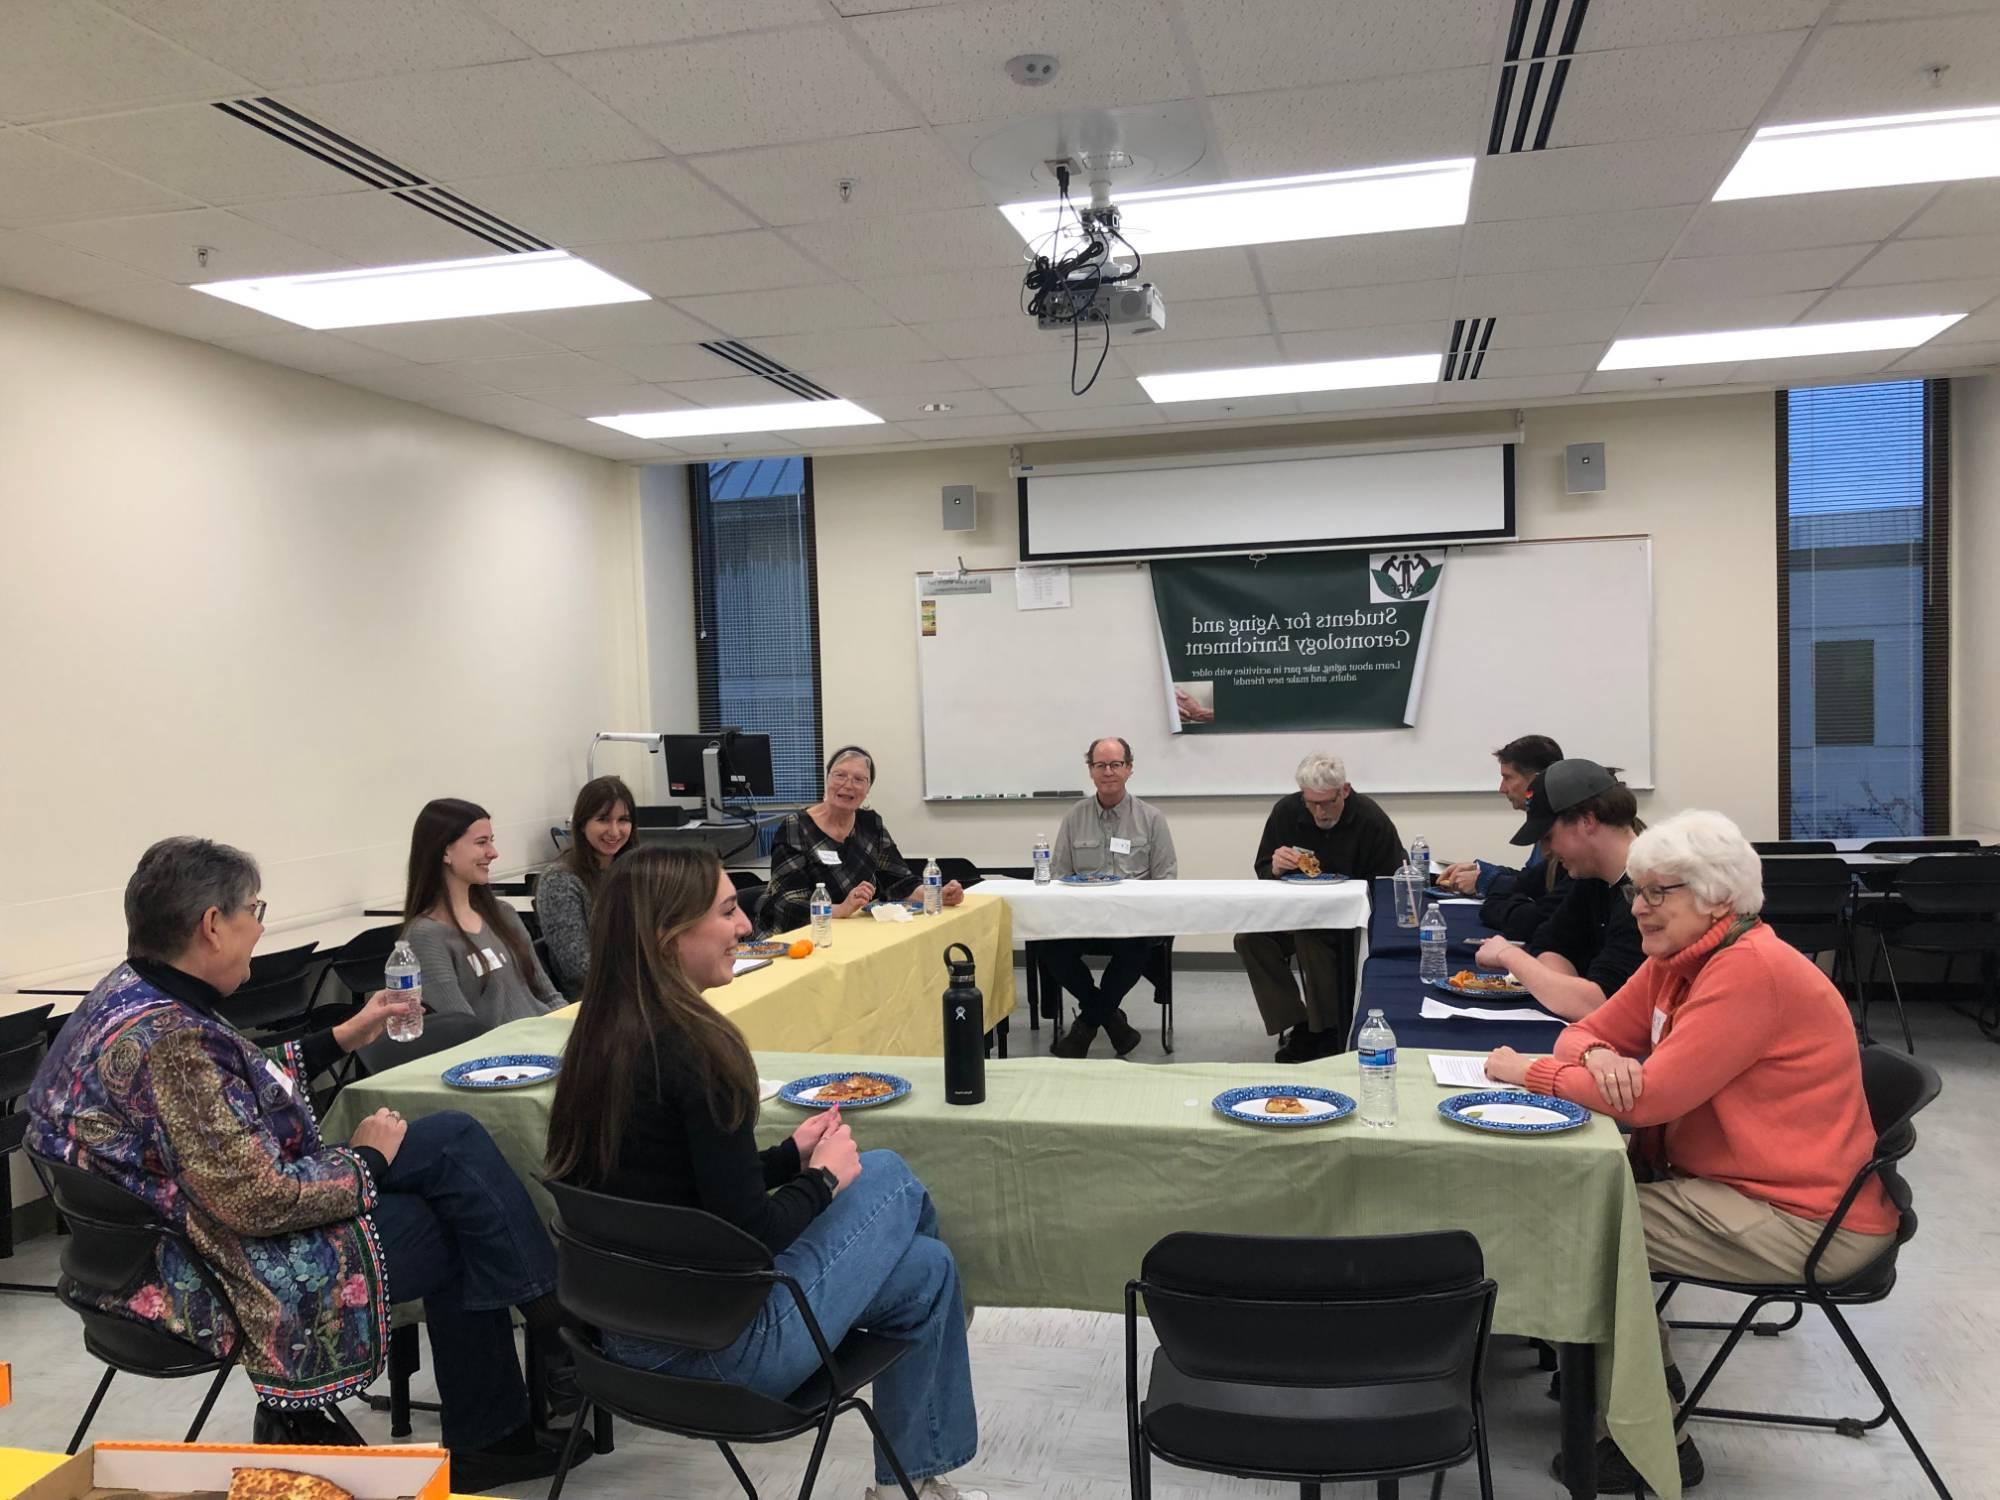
(657, 1100)
(841, 844)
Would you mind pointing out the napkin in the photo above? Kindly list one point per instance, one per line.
(891, 911)
(1437, 1010)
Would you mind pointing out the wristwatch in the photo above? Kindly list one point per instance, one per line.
(825, 1175)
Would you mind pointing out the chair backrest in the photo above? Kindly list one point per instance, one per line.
(441, 1034)
(24, 1025)
(964, 871)
(114, 1236)
(1920, 846)
(657, 1272)
(357, 963)
(21, 1055)
(268, 968)
(1808, 889)
(1269, 1310)
(279, 990)
(1950, 885)
(1898, 1087)
(1794, 846)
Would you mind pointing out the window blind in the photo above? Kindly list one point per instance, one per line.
(1864, 683)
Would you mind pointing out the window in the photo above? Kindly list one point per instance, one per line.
(1864, 533)
(756, 604)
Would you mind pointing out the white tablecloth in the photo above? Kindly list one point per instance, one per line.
(1177, 908)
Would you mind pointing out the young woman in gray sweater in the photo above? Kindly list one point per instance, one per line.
(600, 829)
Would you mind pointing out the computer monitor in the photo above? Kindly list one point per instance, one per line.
(746, 763)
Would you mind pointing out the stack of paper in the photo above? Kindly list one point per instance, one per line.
(1437, 1010)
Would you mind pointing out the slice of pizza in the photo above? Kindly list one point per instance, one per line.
(1309, 863)
(283, 1484)
(1283, 1104)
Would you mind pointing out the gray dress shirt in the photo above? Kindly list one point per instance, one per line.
(1083, 842)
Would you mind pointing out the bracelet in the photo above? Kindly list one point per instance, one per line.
(1583, 1061)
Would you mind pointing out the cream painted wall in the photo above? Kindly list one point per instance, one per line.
(1695, 475)
(242, 601)
(1975, 719)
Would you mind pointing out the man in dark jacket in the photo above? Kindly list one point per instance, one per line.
(1515, 902)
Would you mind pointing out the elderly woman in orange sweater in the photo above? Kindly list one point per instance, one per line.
(1733, 1059)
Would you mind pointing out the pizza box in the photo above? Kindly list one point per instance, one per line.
(112, 1471)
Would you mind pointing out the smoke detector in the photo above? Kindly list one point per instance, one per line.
(1032, 69)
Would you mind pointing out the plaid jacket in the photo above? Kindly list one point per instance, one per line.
(797, 866)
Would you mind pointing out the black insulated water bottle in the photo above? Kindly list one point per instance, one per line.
(964, 1031)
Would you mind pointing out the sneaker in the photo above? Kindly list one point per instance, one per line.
(1076, 1041)
(1615, 1476)
(1124, 1035)
(1677, 1388)
(1303, 1046)
(929, 1489)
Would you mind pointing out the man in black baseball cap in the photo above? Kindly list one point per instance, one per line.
(1589, 946)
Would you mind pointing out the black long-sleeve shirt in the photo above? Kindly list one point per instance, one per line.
(1521, 900)
(1363, 844)
(673, 1151)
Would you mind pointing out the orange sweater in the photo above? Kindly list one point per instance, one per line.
(1750, 1064)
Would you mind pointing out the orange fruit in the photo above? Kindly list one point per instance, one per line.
(801, 948)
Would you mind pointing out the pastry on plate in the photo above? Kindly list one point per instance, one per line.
(1283, 1104)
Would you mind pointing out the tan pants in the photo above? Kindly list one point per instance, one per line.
(1327, 961)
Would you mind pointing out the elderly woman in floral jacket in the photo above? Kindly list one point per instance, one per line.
(151, 1087)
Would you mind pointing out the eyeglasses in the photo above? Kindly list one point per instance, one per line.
(1653, 895)
(258, 908)
(1109, 765)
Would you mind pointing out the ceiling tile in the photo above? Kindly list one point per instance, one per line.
(1531, 330)
(1222, 318)
(950, 297)
(950, 60)
(1656, 380)
(797, 309)
(1628, 174)
(449, 339)
(1368, 400)
(1961, 208)
(1897, 10)
(909, 407)
(615, 323)
(1696, 316)
(164, 245)
(1641, 23)
(66, 58)
(175, 309)
(1931, 260)
(1361, 307)
(956, 427)
(1637, 93)
(1142, 358)
(744, 91)
(1935, 356)
(369, 229)
(1852, 72)
(1235, 409)
(1367, 343)
(748, 262)
(1703, 277)
(916, 243)
(858, 382)
(744, 390)
(878, 7)
(815, 438)
(319, 353)
(1979, 328)
(1252, 45)
(1110, 390)
(607, 396)
(1549, 291)
(1818, 369)
(1744, 226)
(1038, 369)
(1640, 234)
(516, 413)
(1359, 260)
(40, 182)
(319, 41)
(552, 26)
(627, 200)
(30, 263)
(1906, 300)
(1555, 359)
(1010, 333)
(1082, 418)
(663, 362)
(536, 372)
(1198, 275)
(1487, 389)
(1382, 122)
(813, 352)
(416, 382)
(800, 183)
(471, 122)
(200, 151)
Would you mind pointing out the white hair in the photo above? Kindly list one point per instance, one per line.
(1320, 772)
(1708, 854)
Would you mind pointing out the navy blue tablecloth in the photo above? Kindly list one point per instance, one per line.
(1391, 983)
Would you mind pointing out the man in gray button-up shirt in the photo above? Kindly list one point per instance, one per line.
(1110, 833)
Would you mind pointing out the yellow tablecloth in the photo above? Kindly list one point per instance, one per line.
(21, 1467)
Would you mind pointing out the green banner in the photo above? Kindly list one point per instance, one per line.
(1295, 640)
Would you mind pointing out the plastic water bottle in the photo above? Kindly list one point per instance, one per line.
(1044, 871)
(1378, 1072)
(1435, 963)
(1420, 856)
(933, 889)
(404, 979)
(822, 917)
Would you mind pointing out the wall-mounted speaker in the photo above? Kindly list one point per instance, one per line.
(1583, 468)
(961, 507)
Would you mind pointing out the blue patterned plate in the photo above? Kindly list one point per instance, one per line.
(1511, 991)
(1102, 877)
(1315, 1106)
(514, 1070)
(804, 1092)
(1514, 1112)
(1295, 878)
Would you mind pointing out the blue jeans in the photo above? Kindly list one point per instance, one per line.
(873, 1260)
(458, 1230)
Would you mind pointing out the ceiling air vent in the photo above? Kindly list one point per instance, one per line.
(1531, 78)
(1469, 338)
(743, 356)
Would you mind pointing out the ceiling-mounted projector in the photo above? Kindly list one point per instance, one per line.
(1139, 308)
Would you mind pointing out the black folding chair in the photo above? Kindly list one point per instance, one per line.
(1808, 902)
(24, 1042)
(1920, 846)
(1159, 973)
(275, 1003)
(1897, 1089)
(680, 1276)
(356, 966)
(1311, 1361)
(1947, 905)
(1794, 846)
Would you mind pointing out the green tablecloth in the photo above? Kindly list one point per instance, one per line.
(1052, 1191)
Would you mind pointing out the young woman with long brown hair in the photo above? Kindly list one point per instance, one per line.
(657, 1101)
(475, 952)
(600, 829)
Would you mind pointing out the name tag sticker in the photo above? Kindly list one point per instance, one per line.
(280, 1077)
(1659, 1025)
(828, 857)
(1119, 846)
(494, 961)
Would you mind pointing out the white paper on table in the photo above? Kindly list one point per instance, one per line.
(767, 1088)
(750, 965)
(1459, 901)
(1459, 1072)
(1437, 1010)
(1044, 586)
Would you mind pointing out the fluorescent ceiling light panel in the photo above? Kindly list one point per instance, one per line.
(1372, 201)
(1286, 380)
(772, 416)
(434, 289)
(1795, 342)
(1949, 146)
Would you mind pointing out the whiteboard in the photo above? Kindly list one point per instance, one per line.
(1012, 697)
